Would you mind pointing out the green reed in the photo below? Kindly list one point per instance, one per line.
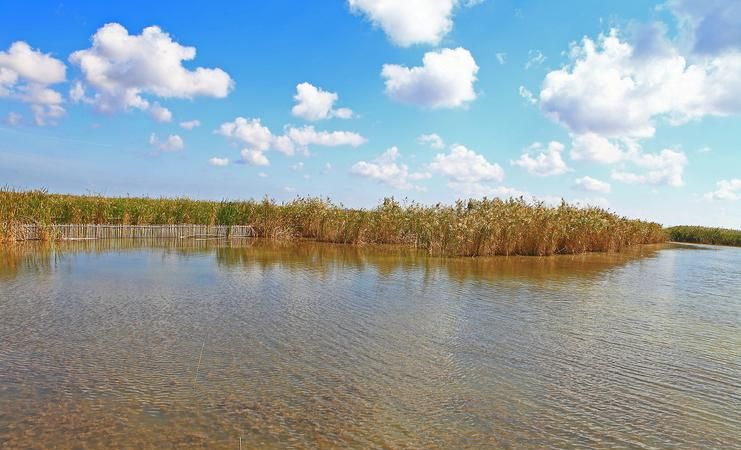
(466, 228)
(705, 235)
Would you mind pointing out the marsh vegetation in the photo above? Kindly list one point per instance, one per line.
(705, 235)
(467, 228)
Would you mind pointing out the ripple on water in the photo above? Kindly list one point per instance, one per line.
(313, 345)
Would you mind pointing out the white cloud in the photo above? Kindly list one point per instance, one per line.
(665, 167)
(599, 202)
(26, 74)
(534, 58)
(262, 175)
(123, 68)
(313, 103)
(21, 61)
(726, 190)
(259, 139)
(590, 184)
(386, 170)
(284, 144)
(219, 162)
(478, 190)
(501, 58)
(595, 148)
(409, 22)
(298, 167)
(527, 95)
(251, 133)
(77, 93)
(173, 143)
(190, 124)
(462, 165)
(705, 149)
(47, 114)
(307, 135)
(160, 113)
(618, 90)
(254, 157)
(433, 140)
(13, 119)
(547, 162)
(248, 131)
(445, 80)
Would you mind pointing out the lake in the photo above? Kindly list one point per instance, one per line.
(136, 344)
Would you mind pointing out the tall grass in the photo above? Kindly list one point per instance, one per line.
(470, 228)
(705, 235)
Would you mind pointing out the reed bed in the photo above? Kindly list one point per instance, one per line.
(467, 228)
(705, 235)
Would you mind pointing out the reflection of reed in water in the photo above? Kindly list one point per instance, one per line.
(17, 259)
(324, 258)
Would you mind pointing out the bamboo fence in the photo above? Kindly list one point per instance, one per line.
(78, 232)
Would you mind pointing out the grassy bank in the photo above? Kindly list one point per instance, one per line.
(467, 228)
(705, 235)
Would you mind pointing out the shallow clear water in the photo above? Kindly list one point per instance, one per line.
(177, 345)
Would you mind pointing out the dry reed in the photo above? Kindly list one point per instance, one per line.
(467, 228)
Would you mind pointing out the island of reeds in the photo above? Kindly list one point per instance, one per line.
(705, 235)
(467, 228)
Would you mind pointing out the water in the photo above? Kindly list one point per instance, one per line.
(322, 346)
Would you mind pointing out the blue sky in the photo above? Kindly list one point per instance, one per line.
(634, 106)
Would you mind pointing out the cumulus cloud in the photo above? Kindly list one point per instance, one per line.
(445, 80)
(258, 139)
(190, 124)
(160, 113)
(466, 166)
(21, 61)
(254, 157)
(541, 161)
(478, 190)
(726, 190)
(617, 90)
(409, 22)
(665, 167)
(248, 131)
(122, 69)
(313, 103)
(590, 184)
(467, 171)
(173, 143)
(384, 169)
(219, 162)
(307, 136)
(433, 140)
(599, 202)
(26, 74)
(595, 148)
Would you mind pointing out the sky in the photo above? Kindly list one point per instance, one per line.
(631, 106)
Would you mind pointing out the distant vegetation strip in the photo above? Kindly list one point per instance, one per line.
(705, 235)
(466, 228)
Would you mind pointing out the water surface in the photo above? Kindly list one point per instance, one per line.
(134, 344)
